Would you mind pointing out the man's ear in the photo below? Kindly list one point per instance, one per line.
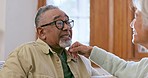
(41, 33)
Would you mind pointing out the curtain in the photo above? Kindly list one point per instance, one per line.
(41, 3)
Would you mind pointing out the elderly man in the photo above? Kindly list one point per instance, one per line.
(47, 57)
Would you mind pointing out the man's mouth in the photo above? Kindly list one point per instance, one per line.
(66, 37)
(65, 40)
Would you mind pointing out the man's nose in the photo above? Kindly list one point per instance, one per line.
(66, 27)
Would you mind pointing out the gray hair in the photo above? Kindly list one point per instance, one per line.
(41, 11)
(142, 6)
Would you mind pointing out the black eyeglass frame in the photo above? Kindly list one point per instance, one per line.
(68, 22)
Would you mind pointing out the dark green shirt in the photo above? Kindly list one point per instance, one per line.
(66, 69)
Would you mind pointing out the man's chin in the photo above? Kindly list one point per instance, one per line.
(65, 44)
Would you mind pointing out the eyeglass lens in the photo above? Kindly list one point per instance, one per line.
(60, 23)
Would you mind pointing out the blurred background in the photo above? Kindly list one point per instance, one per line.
(103, 23)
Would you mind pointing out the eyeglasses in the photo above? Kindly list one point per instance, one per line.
(60, 24)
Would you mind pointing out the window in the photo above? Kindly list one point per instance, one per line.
(79, 10)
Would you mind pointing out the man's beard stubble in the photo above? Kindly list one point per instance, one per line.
(65, 43)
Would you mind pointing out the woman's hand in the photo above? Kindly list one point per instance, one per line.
(78, 48)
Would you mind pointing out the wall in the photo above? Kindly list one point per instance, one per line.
(2, 28)
(19, 24)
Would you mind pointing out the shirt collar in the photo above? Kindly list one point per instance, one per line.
(44, 46)
(47, 50)
(70, 58)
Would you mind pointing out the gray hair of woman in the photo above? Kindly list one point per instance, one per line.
(142, 6)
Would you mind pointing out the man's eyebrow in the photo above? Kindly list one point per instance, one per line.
(56, 17)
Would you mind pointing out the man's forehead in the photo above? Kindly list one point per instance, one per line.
(56, 13)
